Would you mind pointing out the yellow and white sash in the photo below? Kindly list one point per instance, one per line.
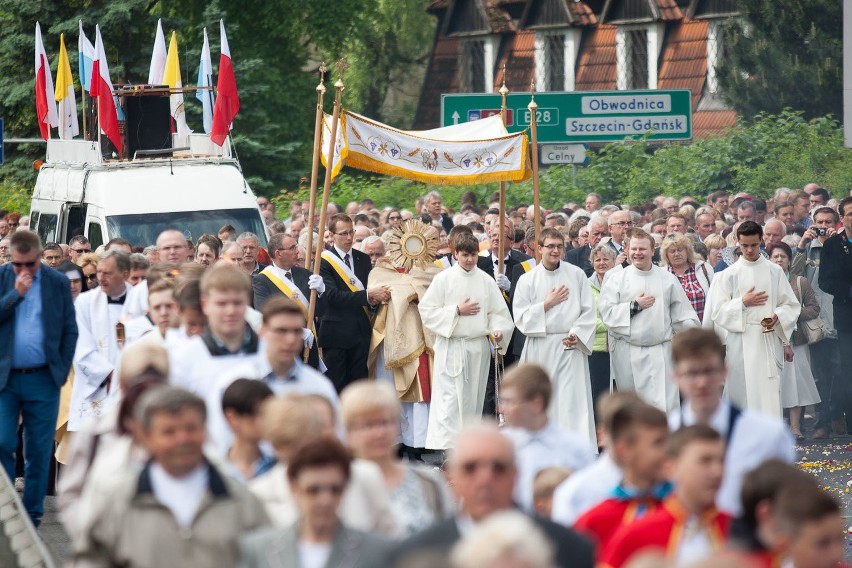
(443, 263)
(346, 273)
(528, 264)
(288, 288)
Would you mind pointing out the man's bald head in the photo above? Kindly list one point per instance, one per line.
(172, 246)
(773, 232)
(481, 468)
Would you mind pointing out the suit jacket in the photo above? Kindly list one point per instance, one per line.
(580, 257)
(344, 323)
(58, 319)
(571, 549)
(264, 289)
(279, 548)
(835, 278)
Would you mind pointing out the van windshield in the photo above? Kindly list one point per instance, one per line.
(142, 229)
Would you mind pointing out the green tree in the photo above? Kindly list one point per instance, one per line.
(788, 54)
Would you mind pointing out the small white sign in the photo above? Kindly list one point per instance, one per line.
(563, 153)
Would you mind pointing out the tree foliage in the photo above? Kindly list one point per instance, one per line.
(789, 54)
(276, 46)
(772, 151)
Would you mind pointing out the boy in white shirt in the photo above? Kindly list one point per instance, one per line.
(539, 442)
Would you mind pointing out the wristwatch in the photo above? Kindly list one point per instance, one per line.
(635, 308)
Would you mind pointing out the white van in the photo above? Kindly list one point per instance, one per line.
(197, 190)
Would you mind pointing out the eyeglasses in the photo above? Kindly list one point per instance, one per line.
(553, 247)
(395, 218)
(91, 277)
(289, 248)
(345, 234)
(315, 490)
(497, 467)
(623, 224)
(81, 251)
(24, 264)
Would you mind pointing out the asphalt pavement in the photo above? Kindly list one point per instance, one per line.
(830, 461)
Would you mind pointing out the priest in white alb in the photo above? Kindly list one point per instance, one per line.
(99, 345)
(555, 308)
(753, 303)
(464, 309)
(643, 306)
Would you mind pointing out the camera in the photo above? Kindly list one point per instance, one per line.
(820, 231)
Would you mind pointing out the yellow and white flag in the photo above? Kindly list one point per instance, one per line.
(64, 95)
(171, 77)
(463, 154)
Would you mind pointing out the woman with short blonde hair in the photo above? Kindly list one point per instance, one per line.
(694, 275)
(371, 416)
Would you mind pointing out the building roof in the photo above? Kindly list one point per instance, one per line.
(682, 62)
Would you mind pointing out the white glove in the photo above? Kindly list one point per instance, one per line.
(503, 282)
(308, 337)
(315, 282)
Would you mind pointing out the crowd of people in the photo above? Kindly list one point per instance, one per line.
(623, 387)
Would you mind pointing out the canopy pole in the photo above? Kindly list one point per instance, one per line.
(83, 89)
(502, 226)
(329, 167)
(315, 167)
(533, 108)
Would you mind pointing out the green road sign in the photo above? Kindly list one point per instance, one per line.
(582, 116)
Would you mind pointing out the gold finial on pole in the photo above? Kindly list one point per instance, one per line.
(326, 190)
(322, 70)
(533, 109)
(501, 248)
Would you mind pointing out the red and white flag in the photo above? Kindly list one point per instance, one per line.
(102, 89)
(45, 105)
(227, 98)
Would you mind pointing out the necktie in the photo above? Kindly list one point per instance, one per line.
(346, 260)
(289, 275)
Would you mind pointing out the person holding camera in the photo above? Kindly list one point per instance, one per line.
(825, 357)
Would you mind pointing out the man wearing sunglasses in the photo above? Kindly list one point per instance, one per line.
(77, 246)
(38, 334)
(482, 471)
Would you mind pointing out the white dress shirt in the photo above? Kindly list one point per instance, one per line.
(585, 489)
(756, 438)
(548, 447)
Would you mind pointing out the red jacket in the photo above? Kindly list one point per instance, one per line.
(661, 530)
(601, 522)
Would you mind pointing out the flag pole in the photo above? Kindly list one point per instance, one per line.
(533, 108)
(501, 247)
(315, 166)
(326, 190)
(83, 89)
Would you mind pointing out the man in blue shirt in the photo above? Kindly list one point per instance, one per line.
(38, 334)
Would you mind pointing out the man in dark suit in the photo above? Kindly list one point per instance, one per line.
(487, 262)
(579, 257)
(481, 470)
(835, 278)
(345, 328)
(285, 278)
(38, 334)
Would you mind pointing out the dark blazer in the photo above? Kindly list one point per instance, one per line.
(264, 290)
(274, 547)
(835, 278)
(515, 258)
(344, 323)
(572, 550)
(57, 317)
(580, 257)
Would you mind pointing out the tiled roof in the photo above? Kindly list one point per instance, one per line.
(669, 10)
(519, 58)
(683, 62)
(596, 66)
(582, 14)
(709, 122)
